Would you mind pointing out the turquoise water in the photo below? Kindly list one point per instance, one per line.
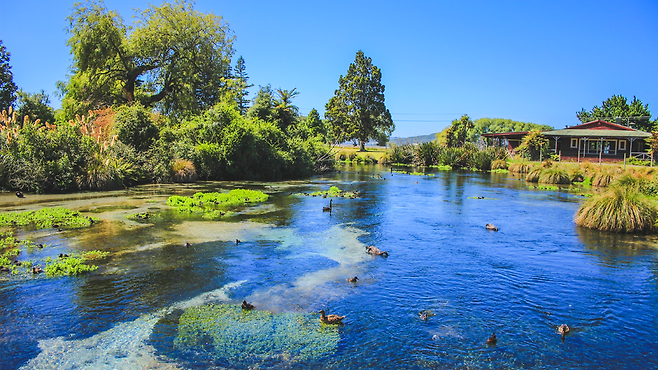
(155, 303)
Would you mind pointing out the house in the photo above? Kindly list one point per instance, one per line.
(597, 140)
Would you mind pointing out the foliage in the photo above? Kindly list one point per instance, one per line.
(184, 171)
(46, 218)
(498, 125)
(520, 167)
(357, 110)
(426, 154)
(533, 175)
(457, 133)
(554, 176)
(35, 106)
(7, 85)
(533, 144)
(244, 336)
(173, 56)
(637, 162)
(67, 266)
(135, 127)
(499, 164)
(602, 178)
(241, 77)
(635, 114)
(620, 209)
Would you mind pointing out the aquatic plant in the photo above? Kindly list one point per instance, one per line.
(500, 170)
(47, 218)
(333, 192)
(72, 265)
(208, 202)
(442, 167)
(245, 336)
(620, 209)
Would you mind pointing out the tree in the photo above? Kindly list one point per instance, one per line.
(285, 113)
(616, 108)
(35, 106)
(241, 76)
(533, 144)
(498, 125)
(263, 105)
(173, 57)
(7, 86)
(457, 133)
(357, 110)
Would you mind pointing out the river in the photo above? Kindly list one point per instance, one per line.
(157, 303)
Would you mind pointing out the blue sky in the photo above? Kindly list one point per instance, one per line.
(529, 61)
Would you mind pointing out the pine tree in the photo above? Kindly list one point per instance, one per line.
(7, 86)
(357, 111)
(241, 76)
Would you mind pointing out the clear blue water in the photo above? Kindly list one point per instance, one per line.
(537, 272)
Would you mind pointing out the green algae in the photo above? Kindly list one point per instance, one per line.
(333, 192)
(244, 336)
(46, 218)
(72, 265)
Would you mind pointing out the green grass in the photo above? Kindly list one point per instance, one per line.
(47, 218)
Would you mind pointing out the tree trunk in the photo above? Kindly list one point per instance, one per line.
(362, 145)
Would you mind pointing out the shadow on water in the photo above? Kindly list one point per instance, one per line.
(155, 301)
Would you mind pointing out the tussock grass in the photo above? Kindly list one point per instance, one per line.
(554, 176)
(533, 175)
(499, 164)
(603, 179)
(621, 209)
(520, 167)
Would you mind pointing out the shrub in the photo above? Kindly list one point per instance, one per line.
(554, 176)
(135, 127)
(184, 171)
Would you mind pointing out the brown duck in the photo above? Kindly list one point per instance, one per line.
(371, 249)
(491, 227)
(492, 339)
(352, 279)
(563, 330)
(331, 319)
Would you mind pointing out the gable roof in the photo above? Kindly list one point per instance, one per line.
(599, 129)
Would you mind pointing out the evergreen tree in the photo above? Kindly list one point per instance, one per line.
(616, 108)
(36, 106)
(241, 76)
(357, 111)
(7, 86)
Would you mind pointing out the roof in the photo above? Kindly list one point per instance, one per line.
(600, 125)
(505, 134)
(598, 133)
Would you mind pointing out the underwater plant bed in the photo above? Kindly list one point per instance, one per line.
(46, 218)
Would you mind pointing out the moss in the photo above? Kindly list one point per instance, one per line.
(47, 218)
(244, 336)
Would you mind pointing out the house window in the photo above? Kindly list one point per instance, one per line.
(574, 143)
(622, 144)
(609, 147)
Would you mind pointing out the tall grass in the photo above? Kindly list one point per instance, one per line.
(554, 175)
(533, 175)
(620, 209)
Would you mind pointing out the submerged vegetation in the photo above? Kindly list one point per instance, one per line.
(230, 333)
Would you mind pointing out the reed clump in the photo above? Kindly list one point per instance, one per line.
(520, 167)
(554, 175)
(533, 175)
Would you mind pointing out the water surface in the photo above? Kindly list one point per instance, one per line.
(537, 272)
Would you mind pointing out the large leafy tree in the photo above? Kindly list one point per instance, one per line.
(357, 111)
(457, 133)
(35, 106)
(173, 57)
(7, 85)
(635, 114)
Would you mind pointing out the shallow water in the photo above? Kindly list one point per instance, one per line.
(537, 272)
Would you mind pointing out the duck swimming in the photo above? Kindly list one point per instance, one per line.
(19, 194)
(352, 279)
(492, 339)
(491, 227)
(331, 319)
(328, 209)
(247, 306)
(371, 249)
(563, 330)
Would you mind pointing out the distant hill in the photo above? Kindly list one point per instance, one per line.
(412, 140)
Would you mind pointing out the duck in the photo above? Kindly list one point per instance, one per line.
(330, 319)
(352, 279)
(563, 330)
(237, 241)
(247, 306)
(371, 249)
(62, 255)
(492, 339)
(17, 263)
(187, 245)
(20, 194)
(37, 270)
(328, 209)
(491, 227)
(5, 269)
(423, 316)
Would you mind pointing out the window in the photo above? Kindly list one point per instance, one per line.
(574, 143)
(609, 147)
(622, 144)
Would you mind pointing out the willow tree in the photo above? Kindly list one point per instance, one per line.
(172, 57)
(357, 110)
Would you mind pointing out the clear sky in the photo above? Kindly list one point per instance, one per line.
(531, 61)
